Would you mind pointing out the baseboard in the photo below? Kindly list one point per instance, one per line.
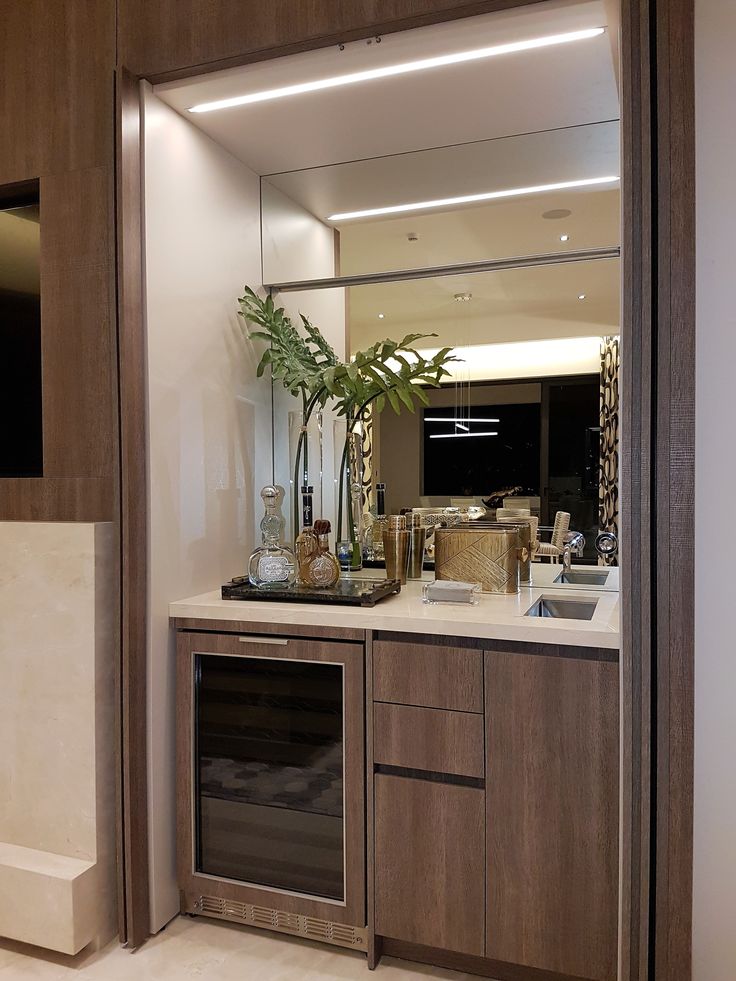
(470, 964)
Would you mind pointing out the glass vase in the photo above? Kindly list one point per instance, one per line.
(305, 464)
(348, 494)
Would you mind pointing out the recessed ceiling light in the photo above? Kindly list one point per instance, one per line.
(381, 316)
(556, 213)
(463, 297)
(471, 198)
(581, 296)
(401, 69)
(564, 238)
(459, 435)
(457, 421)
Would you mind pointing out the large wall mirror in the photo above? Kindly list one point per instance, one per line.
(495, 228)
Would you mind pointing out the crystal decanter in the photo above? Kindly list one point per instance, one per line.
(272, 565)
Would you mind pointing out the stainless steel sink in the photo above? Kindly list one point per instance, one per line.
(563, 609)
(583, 577)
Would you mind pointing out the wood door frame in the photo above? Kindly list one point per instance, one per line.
(657, 469)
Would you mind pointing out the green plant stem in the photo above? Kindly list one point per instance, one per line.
(341, 486)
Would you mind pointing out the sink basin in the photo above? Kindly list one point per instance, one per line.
(563, 609)
(583, 577)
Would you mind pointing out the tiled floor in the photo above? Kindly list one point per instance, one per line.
(201, 949)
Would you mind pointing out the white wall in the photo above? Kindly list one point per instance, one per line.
(209, 419)
(714, 906)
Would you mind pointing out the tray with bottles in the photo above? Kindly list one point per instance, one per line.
(345, 592)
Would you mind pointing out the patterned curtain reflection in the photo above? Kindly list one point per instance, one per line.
(608, 488)
(366, 476)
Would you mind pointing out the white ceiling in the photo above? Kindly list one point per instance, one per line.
(509, 306)
(568, 85)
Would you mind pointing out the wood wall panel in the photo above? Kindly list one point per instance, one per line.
(56, 83)
(56, 498)
(163, 38)
(57, 62)
(77, 334)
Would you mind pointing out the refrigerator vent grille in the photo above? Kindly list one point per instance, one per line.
(266, 917)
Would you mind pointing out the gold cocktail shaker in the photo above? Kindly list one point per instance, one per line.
(417, 541)
(396, 540)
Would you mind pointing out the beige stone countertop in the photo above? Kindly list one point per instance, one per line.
(494, 618)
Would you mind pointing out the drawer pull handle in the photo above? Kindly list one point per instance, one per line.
(280, 641)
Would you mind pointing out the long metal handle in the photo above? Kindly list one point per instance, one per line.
(280, 641)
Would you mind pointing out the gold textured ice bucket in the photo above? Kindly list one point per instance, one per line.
(488, 555)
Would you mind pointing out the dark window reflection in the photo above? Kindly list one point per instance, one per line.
(269, 764)
(458, 463)
(21, 438)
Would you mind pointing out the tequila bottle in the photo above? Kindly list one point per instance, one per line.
(321, 568)
(306, 545)
(272, 565)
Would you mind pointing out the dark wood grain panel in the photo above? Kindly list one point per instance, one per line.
(166, 38)
(657, 466)
(507, 646)
(552, 730)
(56, 498)
(429, 863)
(470, 964)
(675, 482)
(637, 398)
(428, 739)
(282, 629)
(79, 403)
(133, 506)
(413, 673)
(56, 86)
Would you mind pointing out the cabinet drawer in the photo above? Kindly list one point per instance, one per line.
(411, 673)
(430, 863)
(428, 739)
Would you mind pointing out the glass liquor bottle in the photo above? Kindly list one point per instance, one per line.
(306, 543)
(272, 565)
(321, 569)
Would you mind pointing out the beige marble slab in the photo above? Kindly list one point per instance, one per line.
(57, 725)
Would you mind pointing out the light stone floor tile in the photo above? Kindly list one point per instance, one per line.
(204, 950)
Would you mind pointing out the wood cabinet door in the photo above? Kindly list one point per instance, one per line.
(552, 779)
(429, 863)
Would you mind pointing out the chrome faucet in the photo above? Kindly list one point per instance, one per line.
(575, 542)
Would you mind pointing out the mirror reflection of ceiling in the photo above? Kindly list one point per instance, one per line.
(533, 303)
(521, 92)
(20, 240)
(449, 172)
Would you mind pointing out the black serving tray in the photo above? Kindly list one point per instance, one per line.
(346, 592)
